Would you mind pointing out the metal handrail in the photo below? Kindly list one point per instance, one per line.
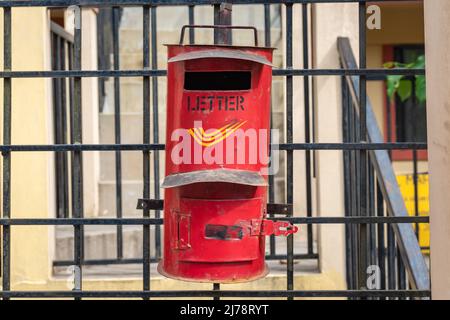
(61, 32)
(407, 240)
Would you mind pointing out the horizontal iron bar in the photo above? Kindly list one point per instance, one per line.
(352, 146)
(211, 293)
(272, 208)
(347, 72)
(82, 147)
(83, 74)
(160, 147)
(99, 3)
(162, 73)
(81, 221)
(355, 220)
(159, 221)
(100, 262)
(305, 256)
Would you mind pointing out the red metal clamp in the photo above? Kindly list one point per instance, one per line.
(269, 227)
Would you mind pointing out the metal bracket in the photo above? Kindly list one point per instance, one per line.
(150, 204)
(280, 209)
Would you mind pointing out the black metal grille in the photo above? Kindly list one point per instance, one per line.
(366, 219)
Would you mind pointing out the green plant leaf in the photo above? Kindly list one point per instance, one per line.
(397, 84)
(404, 90)
(419, 63)
(389, 65)
(421, 92)
(393, 82)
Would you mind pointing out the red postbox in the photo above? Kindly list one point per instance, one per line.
(217, 146)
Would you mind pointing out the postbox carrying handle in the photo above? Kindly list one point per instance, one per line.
(183, 29)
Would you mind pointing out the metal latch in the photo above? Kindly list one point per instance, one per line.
(270, 227)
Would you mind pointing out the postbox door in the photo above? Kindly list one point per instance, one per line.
(219, 230)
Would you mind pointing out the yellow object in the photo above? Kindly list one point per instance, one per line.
(406, 183)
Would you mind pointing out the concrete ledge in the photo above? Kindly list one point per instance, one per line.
(310, 281)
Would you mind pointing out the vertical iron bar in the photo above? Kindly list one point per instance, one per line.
(391, 257)
(7, 62)
(267, 26)
(191, 13)
(347, 182)
(63, 159)
(308, 180)
(71, 136)
(216, 287)
(154, 66)
(354, 195)
(146, 153)
(363, 209)
(117, 132)
(77, 171)
(216, 22)
(57, 123)
(222, 16)
(414, 152)
(268, 43)
(381, 240)
(289, 139)
(416, 193)
(401, 273)
(389, 124)
(372, 227)
(390, 231)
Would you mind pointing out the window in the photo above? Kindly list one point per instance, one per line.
(406, 121)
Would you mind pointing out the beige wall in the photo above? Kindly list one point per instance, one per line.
(91, 160)
(437, 18)
(32, 173)
(32, 186)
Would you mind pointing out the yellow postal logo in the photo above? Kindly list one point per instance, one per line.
(215, 136)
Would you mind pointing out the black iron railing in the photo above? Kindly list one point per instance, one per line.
(360, 220)
(367, 245)
(62, 88)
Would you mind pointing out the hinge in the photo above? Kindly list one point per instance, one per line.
(181, 224)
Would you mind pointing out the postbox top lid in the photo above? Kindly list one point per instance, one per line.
(245, 177)
(222, 52)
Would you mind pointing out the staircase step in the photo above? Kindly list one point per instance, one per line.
(131, 192)
(130, 41)
(131, 166)
(131, 95)
(100, 242)
(131, 128)
(131, 18)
